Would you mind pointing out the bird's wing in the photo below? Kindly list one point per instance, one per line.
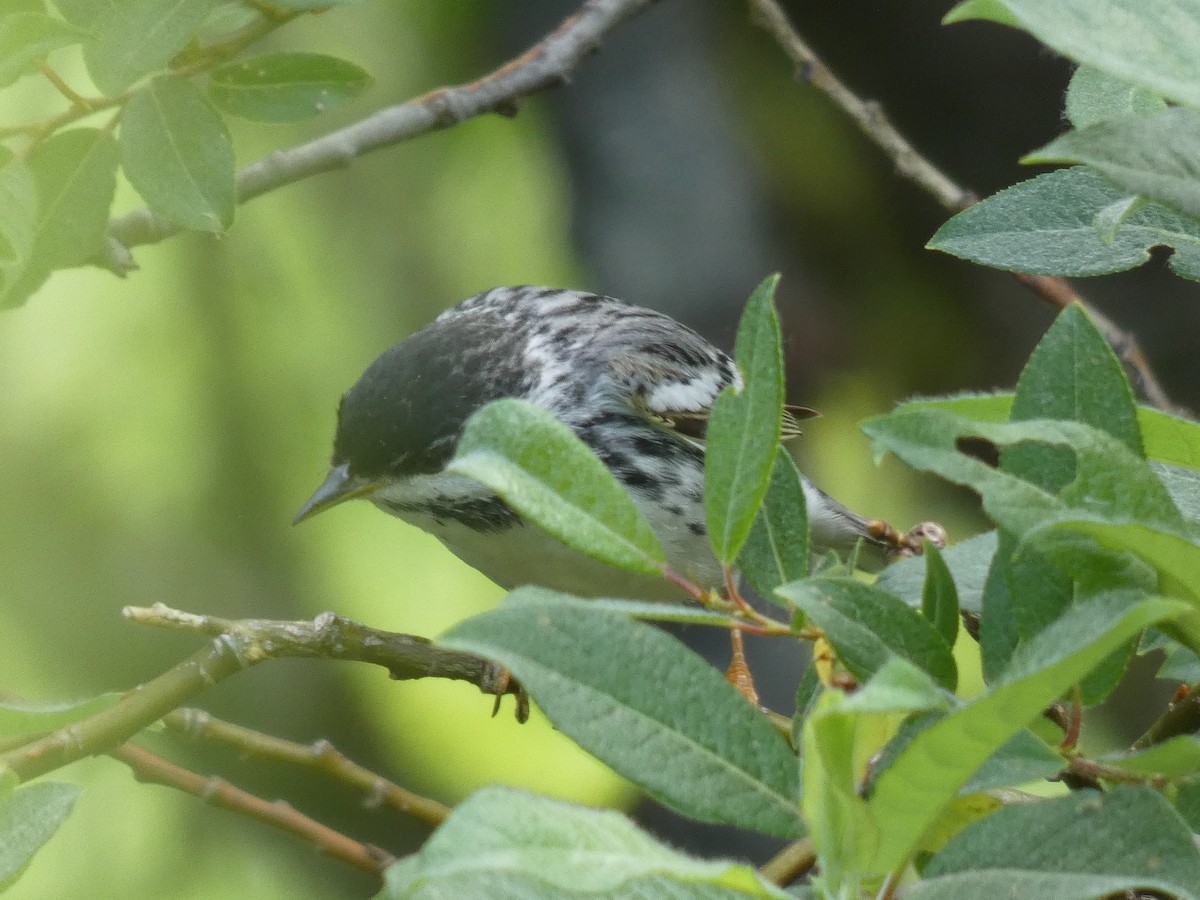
(675, 382)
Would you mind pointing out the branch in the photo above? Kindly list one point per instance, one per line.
(239, 644)
(1182, 716)
(545, 65)
(793, 861)
(910, 163)
(319, 755)
(330, 636)
(148, 767)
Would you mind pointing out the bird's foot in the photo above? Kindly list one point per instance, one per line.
(910, 543)
(500, 683)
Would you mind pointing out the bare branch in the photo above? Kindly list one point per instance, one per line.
(910, 163)
(545, 65)
(148, 767)
(330, 636)
(319, 755)
(239, 644)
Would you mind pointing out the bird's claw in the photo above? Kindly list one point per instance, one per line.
(910, 543)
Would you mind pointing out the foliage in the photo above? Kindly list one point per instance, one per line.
(898, 783)
(165, 73)
(1134, 103)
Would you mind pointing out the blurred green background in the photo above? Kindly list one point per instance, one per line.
(159, 432)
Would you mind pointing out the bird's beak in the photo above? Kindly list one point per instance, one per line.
(338, 487)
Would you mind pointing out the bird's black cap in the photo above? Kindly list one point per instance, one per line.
(405, 413)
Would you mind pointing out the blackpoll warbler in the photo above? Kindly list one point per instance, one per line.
(635, 385)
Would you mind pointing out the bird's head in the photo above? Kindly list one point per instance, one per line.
(404, 415)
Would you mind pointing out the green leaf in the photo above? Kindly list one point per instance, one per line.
(548, 475)
(1174, 757)
(314, 4)
(939, 598)
(998, 635)
(76, 176)
(135, 37)
(644, 704)
(1187, 803)
(1022, 759)
(504, 843)
(26, 37)
(1072, 374)
(836, 752)
(285, 87)
(1170, 439)
(1165, 437)
(898, 687)
(842, 738)
(1012, 882)
(777, 548)
(29, 816)
(980, 9)
(177, 153)
(1095, 96)
(911, 793)
(866, 626)
(18, 222)
(1152, 155)
(661, 611)
(1184, 487)
(744, 428)
(1170, 550)
(1078, 846)
(18, 718)
(968, 562)
(1047, 226)
(83, 13)
(1111, 481)
(1148, 42)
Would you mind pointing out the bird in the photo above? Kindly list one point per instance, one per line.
(634, 384)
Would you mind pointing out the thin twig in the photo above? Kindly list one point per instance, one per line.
(319, 755)
(914, 166)
(545, 65)
(1182, 716)
(866, 114)
(220, 793)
